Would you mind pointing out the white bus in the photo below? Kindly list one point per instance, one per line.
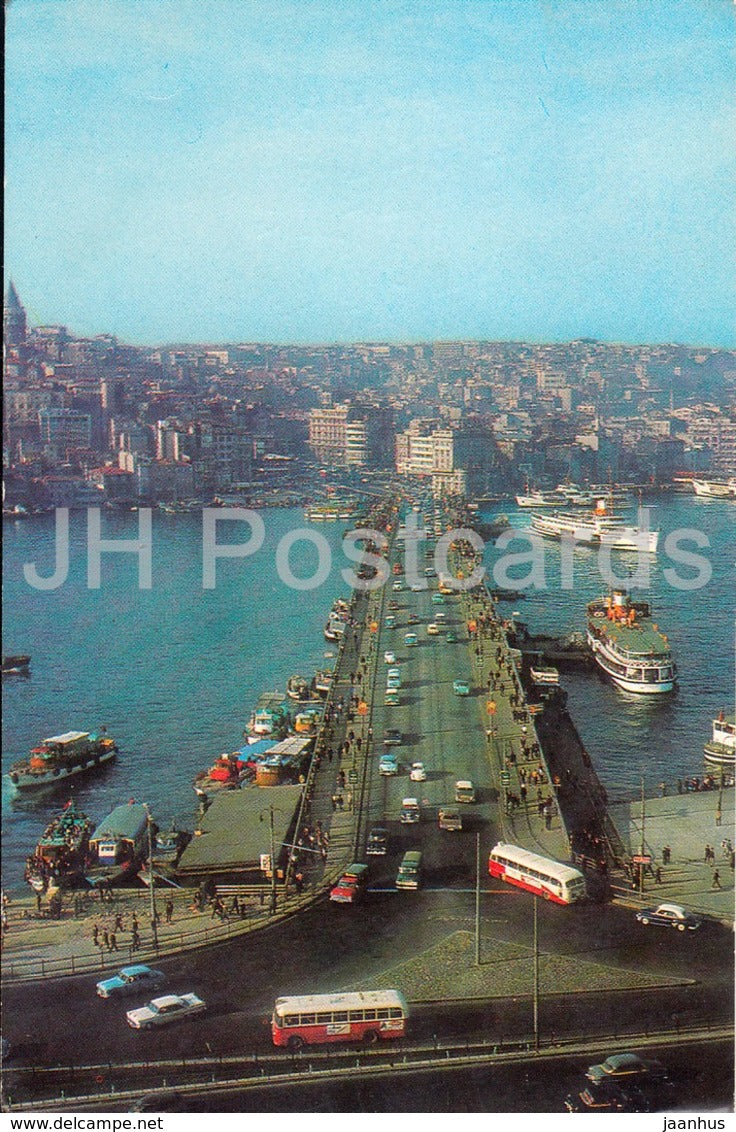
(540, 875)
(364, 1016)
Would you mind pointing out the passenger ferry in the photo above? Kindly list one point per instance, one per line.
(713, 489)
(61, 851)
(628, 647)
(721, 749)
(118, 845)
(61, 757)
(601, 529)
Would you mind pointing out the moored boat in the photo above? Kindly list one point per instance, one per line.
(59, 857)
(322, 681)
(61, 757)
(297, 688)
(16, 665)
(544, 674)
(721, 750)
(119, 845)
(628, 647)
(712, 489)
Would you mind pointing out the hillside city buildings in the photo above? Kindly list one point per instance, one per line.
(97, 420)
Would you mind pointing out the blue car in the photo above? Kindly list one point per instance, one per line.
(389, 764)
(131, 980)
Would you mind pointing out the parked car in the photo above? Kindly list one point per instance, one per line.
(626, 1067)
(438, 599)
(413, 619)
(450, 638)
(417, 588)
(391, 699)
(461, 687)
(669, 916)
(377, 843)
(433, 629)
(161, 1011)
(131, 980)
(418, 772)
(398, 586)
(388, 764)
(392, 737)
(389, 657)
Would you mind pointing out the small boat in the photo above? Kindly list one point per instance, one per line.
(322, 681)
(168, 846)
(225, 774)
(62, 757)
(721, 750)
(545, 675)
(628, 647)
(119, 845)
(61, 851)
(16, 665)
(270, 718)
(297, 688)
(540, 499)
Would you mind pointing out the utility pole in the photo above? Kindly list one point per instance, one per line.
(536, 974)
(641, 862)
(151, 884)
(273, 862)
(477, 900)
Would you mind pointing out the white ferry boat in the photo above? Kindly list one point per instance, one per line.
(628, 647)
(712, 489)
(540, 499)
(600, 529)
(721, 749)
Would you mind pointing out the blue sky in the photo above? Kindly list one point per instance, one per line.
(373, 169)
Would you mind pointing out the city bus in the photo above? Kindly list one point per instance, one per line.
(536, 874)
(313, 1019)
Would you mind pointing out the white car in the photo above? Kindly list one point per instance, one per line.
(418, 772)
(390, 657)
(168, 1008)
(417, 588)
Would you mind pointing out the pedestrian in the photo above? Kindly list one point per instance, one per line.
(169, 910)
(134, 923)
(679, 786)
(136, 940)
(707, 855)
(106, 939)
(95, 934)
(658, 875)
(716, 882)
(113, 942)
(719, 816)
(666, 855)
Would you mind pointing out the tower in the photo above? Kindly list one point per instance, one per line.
(14, 318)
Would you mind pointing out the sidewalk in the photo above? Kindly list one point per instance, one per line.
(685, 823)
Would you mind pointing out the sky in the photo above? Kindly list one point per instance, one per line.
(383, 170)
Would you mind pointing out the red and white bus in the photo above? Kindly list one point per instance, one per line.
(540, 875)
(364, 1016)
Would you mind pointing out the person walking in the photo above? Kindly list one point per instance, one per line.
(113, 942)
(169, 910)
(658, 875)
(716, 883)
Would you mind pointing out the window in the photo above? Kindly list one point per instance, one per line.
(369, 1015)
(307, 1019)
(356, 1015)
(382, 1014)
(340, 1016)
(395, 1012)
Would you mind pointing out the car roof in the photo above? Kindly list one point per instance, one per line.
(619, 1060)
(676, 908)
(410, 802)
(166, 1000)
(136, 969)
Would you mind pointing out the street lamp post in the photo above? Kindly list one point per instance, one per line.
(535, 999)
(477, 900)
(151, 885)
(272, 906)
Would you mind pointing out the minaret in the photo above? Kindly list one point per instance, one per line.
(14, 318)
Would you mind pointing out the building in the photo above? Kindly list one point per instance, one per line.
(64, 429)
(328, 434)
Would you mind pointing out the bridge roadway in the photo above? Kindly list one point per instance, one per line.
(328, 947)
